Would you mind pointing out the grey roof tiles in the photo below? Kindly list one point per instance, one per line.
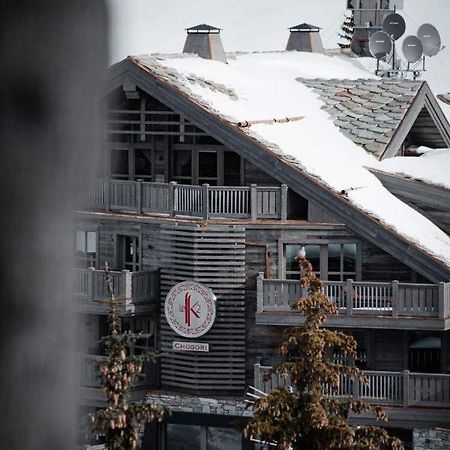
(366, 111)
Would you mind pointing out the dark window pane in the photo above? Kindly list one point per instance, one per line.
(291, 254)
(313, 255)
(349, 257)
(224, 439)
(143, 162)
(334, 277)
(231, 169)
(119, 162)
(334, 258)
(207, 165)
(183, 437)
(182, 163)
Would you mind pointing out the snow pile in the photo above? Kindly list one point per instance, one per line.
(264, 86)
(431, 167)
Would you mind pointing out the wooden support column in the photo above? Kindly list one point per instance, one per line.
(259, 292)
(406, 381)
(253, 202)
(172, 201)
(283, 201)
(205, 201)
(107, 194)
(139, 196)
(395, 298)
(442, 301)
(349, 297)
(257, 376)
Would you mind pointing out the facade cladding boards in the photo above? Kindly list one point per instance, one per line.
(215, 257)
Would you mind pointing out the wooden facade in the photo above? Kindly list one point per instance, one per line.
(181, 196)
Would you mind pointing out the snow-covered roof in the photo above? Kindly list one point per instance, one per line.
(263, 86)
(431, 167)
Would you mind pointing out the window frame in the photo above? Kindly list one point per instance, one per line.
(93, 262)
(323, 244)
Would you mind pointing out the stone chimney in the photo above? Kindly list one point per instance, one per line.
(305, 38)
(204, 40)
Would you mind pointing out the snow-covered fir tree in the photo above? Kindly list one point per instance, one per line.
(347, 29)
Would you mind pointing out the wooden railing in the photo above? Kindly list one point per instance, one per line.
(355, 297)
(90, 372)
(129, 287)
(390, 388)
(233, 202)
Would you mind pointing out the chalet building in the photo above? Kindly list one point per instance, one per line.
(216, 172)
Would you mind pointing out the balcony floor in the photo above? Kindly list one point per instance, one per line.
(356, 320)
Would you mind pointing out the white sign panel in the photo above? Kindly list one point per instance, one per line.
(190, 309)
(190, 346)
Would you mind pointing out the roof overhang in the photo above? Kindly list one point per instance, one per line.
(286, 172)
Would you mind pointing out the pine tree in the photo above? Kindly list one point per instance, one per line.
(347, 29)
(120, 420)
(304, 417)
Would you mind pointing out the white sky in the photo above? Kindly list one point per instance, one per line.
(151, 26)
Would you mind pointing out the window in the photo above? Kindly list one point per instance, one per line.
(143, 164)
(207, 168)
(119, 163)
(223, 439)
(86, 248)
(127, 253)
(341, 262)
(312, 253)
(231, 169)
(334, 262)
(182, 166)
(182, 437)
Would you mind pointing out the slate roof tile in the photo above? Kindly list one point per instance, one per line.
(366, 111)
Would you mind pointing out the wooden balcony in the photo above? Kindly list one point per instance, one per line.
(90, 390)
(202, 202)
(405, 388)
(136, 292)
(361, 304)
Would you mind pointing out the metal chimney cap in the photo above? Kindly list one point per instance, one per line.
(304, 27)
(203, 28)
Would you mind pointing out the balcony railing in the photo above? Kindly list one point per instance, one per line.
(132, 289)
(206, 202)
(388, 388)
(392, 299)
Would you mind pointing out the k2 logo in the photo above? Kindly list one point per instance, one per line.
(190, 309)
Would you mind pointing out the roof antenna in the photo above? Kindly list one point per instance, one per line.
(427, 42)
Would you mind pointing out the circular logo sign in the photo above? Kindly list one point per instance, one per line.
(190, 309)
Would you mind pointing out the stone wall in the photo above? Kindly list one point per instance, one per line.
(426, 439)
(202, 405)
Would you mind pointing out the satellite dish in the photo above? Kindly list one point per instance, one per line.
(380, 44)
(394, 25)
(412, 49)
(430, 38)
